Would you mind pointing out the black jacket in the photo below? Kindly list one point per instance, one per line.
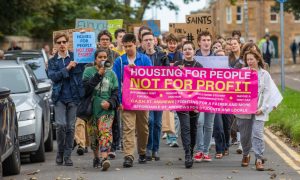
(159, 58)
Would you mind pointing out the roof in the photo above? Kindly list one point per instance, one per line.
(10, 63)
(24, 54)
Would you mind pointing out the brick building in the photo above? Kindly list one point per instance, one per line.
(262, 19)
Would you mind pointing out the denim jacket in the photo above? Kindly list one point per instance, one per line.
(60, 76)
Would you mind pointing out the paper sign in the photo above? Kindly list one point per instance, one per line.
(213, 61)
(84, 47)
(69, 33)
(113, 25)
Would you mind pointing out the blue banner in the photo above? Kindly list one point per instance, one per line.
(84, 47)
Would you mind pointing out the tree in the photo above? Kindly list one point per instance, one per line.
(291, 6)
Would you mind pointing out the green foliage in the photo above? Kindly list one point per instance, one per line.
(287, 116)
(39, 18)
(292, 6)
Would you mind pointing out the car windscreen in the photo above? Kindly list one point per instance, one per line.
(38, 67)
(14, 79)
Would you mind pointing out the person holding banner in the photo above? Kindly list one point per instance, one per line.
(66, 76)
(205, 126)
(158, 58)
(174, 55)
(188, 120)
(103, 84)
(251, 126)
(134, 122)
(142, 30)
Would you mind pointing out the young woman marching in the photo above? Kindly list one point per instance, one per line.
(103, 84)
(188, 120)
(251, 126)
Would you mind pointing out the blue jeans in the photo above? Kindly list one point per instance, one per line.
(155, 118)
(204, 132)
(222, 132)
(65, 117)
(171, 138)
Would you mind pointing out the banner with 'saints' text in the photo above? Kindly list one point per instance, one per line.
(226, 91)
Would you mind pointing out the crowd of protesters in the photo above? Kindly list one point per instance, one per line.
(112, 128)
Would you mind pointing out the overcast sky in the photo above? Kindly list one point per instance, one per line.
(166, 16)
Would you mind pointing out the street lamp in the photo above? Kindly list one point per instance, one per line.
(246, 19)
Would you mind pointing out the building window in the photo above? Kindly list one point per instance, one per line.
(297, 17)
(228, 15)
(273, 15)
(239, 15)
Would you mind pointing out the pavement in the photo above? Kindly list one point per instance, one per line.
(170, 167)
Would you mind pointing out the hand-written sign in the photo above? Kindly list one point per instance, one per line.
(84, 46)
(201, 19)
(226, 91)
(69, 33)
(191, 31)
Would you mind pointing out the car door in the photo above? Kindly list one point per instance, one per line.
(44, 102)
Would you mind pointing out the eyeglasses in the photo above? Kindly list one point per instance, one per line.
(61, 42)
(104, 39)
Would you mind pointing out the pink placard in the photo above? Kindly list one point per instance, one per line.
(226, 91)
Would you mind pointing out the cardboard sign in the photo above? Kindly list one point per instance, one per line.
(191, 31)
(154, 25)
(84, 46)
(69, 32)
(99, 25)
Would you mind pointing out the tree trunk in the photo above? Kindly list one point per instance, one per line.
(142, 9)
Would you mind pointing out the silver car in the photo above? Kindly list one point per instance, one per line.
(32, 106)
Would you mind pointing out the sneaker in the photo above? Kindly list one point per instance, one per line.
(148, 155)
(174, 144)
(59, 159)
(128, 161)
(68, 161)
(198, 157)
(142, 159)
(105, 165)
(80, 150)
(207, 158)
(239, 150)
(112, 155)
(164, 136)
(188, 161)
(155, 155)
(96, 162)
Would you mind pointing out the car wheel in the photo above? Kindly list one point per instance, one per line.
(39, 155)
(49, 142)
(12, 164)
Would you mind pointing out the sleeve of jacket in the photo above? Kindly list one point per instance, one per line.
(56, 75)
(114, 98)
(147, 61)
(90, 83)
(117, 68)
(267, 91)
(164, 59)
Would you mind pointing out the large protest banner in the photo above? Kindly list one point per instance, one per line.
(99, 25)
(69, 33)
(226, 91)
(84, 46)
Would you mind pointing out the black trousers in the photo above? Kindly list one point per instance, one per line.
(188, 125)
(116, 130)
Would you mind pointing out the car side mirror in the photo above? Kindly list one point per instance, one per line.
(43, 88)
(4, 93)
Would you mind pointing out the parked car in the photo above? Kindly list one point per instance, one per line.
(37, 61)
(32, 106)
(10, 162)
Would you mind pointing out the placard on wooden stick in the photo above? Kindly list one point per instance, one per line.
(69, 33)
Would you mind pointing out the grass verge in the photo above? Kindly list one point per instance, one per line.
(287, 116)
